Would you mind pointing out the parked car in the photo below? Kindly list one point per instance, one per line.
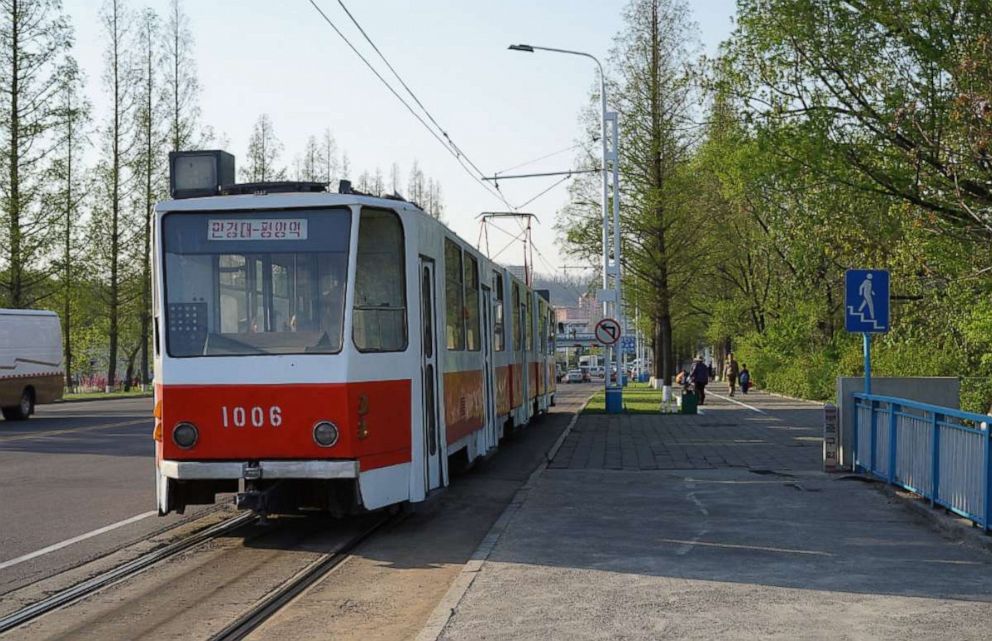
(574, 376)
(31, 367)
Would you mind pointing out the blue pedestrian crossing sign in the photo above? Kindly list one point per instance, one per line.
(866, 300)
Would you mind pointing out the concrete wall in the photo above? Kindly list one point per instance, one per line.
(936, 390)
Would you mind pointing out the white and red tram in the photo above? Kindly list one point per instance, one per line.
(332, 351)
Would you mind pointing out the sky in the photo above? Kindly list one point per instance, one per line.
(501, 107)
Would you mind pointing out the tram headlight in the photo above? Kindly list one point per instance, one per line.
(325, 434)
(185, 435)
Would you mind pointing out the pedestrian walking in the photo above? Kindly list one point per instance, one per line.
(700, 376)
(745, 378)
(731, 371)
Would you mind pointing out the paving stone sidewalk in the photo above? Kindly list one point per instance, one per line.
(718, 526)
(785, 436)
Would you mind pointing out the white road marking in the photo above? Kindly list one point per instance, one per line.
(727, 398)
(699, 504)
(72, 430)
(76, 539)
(696, 542)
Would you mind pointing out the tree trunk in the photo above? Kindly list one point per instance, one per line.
(114, 309)
(146, 277)
(67, 257)
(16, 299)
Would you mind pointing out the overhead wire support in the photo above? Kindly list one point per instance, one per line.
(570, 172)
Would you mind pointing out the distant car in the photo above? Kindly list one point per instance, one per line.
(574, 376)
(598, 372)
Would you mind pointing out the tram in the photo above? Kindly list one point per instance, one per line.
(328, 351)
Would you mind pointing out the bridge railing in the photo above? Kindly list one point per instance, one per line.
(937, 452)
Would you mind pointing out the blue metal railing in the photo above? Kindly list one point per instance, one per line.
(940, 453)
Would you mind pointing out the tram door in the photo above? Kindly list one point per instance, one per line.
(489, 390)
(433, 448)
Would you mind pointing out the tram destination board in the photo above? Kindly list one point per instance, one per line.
(257, 229)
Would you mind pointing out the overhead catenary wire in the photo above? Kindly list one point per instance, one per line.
(441, 137)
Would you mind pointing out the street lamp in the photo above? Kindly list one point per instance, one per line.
(606, 198)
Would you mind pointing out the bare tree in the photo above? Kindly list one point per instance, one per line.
(148, 161)
(70, 142)
(377, 184)
(310, 166)
(330, 167)
(394, 178)
(182, 88)
(264, 150)
(111, 221)
(416, 186)
(35, 38)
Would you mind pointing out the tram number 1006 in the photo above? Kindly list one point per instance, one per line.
(255, 416)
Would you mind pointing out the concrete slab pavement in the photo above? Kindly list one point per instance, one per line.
(717, 536)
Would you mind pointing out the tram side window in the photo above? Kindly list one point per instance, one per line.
(380, 291)
(552, 334)
(472, 303)
(516, 317)
(499, 341)
(530, 321)
(454, 296)
(543, 335)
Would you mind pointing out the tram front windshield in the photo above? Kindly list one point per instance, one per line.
(250, 283)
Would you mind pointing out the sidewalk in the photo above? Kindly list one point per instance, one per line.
(717, 526)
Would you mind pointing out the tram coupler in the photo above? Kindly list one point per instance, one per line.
(257, 498)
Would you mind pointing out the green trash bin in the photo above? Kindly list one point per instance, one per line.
(689, 403)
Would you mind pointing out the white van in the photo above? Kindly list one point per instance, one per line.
(31, 366)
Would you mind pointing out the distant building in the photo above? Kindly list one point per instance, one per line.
(581, 318)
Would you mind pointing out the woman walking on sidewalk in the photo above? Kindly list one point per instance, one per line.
(700, 376)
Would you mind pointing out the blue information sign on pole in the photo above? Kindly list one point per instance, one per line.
(866, 301)
(628, 344)
(866, 308)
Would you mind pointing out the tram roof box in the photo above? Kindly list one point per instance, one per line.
(199, 173)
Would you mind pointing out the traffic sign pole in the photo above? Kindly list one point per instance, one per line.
(867, 363)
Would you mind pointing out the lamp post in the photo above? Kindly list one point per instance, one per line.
(615, 295)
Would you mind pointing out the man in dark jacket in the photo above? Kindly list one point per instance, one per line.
(700, 376)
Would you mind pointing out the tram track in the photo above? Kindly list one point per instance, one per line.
(296, 585)
(118, 573)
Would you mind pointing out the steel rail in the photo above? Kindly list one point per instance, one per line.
(282, 596)
(123, 571)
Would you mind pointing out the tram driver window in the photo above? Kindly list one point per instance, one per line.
(249, 293)
(380, 290)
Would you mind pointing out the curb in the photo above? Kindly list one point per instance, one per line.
(112, 398)
(950, 525)
(793, 398)
(441, 615)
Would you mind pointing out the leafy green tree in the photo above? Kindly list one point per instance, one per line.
(662, 235)
(35, 39)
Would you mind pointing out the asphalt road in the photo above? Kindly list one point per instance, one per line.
(71, 469)
(385, 591)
